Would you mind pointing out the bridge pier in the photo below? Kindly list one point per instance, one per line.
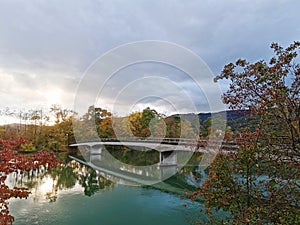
(167, 171)
(95, 153)
(168, 158)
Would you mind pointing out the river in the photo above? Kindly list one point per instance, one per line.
(74, 193)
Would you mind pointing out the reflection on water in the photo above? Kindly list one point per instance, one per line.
(74, 193)
(135, 167)
(46, 184)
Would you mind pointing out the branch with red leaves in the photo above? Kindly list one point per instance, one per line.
(11, 161)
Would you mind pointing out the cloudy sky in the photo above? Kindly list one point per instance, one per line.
(47, 48)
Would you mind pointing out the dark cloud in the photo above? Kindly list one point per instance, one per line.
(46, 46)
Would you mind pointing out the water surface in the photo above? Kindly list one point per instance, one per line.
(77, 194)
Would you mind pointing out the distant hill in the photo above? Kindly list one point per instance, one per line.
(235, 119)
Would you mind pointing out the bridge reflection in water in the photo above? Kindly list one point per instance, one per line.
(123, 173)
(173, 155)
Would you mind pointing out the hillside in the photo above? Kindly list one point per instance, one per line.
(235, 119)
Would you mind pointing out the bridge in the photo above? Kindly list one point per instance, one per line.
(167, 147)
(141, 176)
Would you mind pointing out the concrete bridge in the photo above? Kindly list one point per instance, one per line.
(155, 178)
(167, 147)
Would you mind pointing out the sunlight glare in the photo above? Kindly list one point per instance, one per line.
(53, 97)
(47, 185)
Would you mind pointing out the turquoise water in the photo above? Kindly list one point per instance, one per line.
(119, 205)
(76, 194)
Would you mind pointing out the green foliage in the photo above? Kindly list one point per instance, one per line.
(28, 147)
(134, 157)
(53, 145)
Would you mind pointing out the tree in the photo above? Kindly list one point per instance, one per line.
(60, 113)
(121, 127)
(12, 162)
(259, 183)
(95, 123)
(61, 133)
(173, 126)
(106, 127)
(141, 122)
(217, 130)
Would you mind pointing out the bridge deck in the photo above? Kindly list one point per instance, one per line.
(157, 146)
(163, 145)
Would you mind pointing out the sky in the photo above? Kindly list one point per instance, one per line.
(50, 50)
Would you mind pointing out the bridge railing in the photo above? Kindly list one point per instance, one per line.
(226, 145)
(152, 140)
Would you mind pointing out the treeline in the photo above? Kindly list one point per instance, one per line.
(56, 128)
(43, 129)
(147, 123)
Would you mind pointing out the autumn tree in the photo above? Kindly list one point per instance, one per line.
(259, 182)
(105, 126)
(181, 126)
(121, 127)
(173, 126)
(95, 123)
(141, 122)
(13, 162)
(60, 134)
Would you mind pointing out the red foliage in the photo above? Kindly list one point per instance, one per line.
(12, 161)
